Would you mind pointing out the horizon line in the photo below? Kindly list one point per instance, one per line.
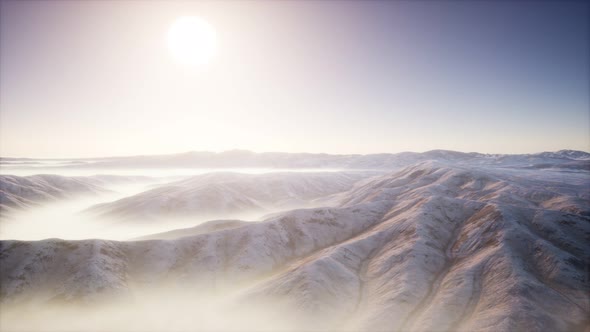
(282, 152)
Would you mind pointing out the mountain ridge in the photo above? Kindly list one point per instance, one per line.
(432, 246)
(248, 159)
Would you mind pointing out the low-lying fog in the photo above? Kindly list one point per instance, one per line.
(68, 219)
(171, 308)
(431, 246)
(59, 169)
(168, 308)
(65, 219)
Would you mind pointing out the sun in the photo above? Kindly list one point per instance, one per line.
(192, 41)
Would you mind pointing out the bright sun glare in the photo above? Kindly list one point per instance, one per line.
(192, 41)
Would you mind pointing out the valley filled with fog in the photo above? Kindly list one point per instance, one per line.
(242, 241)
(79, 206)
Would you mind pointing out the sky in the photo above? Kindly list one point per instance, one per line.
(96, 78)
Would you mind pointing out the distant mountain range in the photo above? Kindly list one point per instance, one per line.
(248, 159)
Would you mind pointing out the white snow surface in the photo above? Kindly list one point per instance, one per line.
(433, 246)
(224, 195)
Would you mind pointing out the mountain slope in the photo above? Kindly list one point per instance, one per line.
(222, 195)
(431, 247)
(18, 192)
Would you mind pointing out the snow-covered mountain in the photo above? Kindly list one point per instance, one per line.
(248, 159)
(19, 192)
(567, 154)
(221, 195)
(431, 247)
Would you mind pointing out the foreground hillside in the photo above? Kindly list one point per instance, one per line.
(432, 247)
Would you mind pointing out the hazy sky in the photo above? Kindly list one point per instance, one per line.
(95, 78)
